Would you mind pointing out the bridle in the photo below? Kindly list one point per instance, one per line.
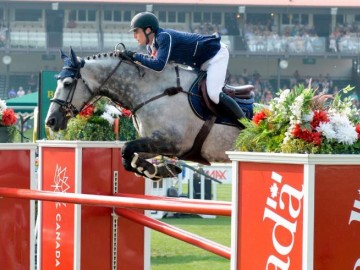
(66, 105)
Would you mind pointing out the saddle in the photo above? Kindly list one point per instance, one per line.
(242, 92)
(208, 111)
(204, 107)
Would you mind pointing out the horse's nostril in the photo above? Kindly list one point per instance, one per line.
(50, 122)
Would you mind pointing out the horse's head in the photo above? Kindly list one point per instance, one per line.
(71, 93)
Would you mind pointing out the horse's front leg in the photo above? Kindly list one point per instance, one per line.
(132, 161)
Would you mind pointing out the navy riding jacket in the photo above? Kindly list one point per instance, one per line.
(184, 48)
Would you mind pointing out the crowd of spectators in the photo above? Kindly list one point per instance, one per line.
(294, 39)
(209, 28)
(345, 38)
(263, 89)
(301, 38)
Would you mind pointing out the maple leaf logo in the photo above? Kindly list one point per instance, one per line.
(60, 181)
(274, 190)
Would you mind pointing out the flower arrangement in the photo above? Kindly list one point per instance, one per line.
(300, 121)
(96, 122)
(8, 121)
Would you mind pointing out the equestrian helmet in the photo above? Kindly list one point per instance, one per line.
(144, 20)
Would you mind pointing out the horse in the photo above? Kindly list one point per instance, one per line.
(162, 113)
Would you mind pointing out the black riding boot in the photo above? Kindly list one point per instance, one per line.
(230, 105)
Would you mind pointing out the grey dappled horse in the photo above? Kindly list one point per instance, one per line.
(167, 126)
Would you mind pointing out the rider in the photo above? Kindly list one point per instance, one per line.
(204, 52)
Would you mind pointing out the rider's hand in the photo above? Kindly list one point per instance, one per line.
(129, 54)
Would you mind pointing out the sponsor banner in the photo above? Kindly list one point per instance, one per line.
(15, 218)
(337, 217)
(219, 172)
(58, 237)
(270, 216)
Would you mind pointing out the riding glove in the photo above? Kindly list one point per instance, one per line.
(128, 54)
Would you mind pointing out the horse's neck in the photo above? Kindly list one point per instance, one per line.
(105, 76)
(129, 85)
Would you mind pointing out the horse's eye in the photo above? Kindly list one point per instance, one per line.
(67, 84)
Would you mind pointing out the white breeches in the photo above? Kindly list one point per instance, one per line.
(216, 72)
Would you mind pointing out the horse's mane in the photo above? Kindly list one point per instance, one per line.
(120, 55)
(117, 54)
(141, 70)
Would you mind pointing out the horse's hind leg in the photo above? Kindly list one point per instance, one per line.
(133, 162)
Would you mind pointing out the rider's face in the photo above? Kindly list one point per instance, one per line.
(139, 35)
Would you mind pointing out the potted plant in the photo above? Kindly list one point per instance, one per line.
(98, 122)
(8, 129)
(299, 121)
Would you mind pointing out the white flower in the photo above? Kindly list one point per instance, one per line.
(339, 128)
(338, 119)
(346, 134)
(112, 110)
(327, 130)
(108, 117)
(277, 104)
(284, 95)
(2, 105)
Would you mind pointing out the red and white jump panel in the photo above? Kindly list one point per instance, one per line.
(17, 217)
(293, 211)
(84, 236)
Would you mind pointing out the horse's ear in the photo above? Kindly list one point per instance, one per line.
(73, 56)
(63, 55)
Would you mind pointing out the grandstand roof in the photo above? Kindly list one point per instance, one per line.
(289, 3)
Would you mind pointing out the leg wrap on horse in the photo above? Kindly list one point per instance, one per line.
(144, 167)
(153, 171)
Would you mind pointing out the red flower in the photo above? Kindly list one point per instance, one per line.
(87, 110)
(125, 113)
(260, 116)
(306, 135)
(316, 138)
(297, 131)
(319, 117)
(357, 128)
(8, 118)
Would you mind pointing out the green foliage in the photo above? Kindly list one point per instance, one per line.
(14, 133)
(96, 123)
(127, 131)
(82, 128)
(260, 138)
(301, 121)
(97, 129)
(9, 134)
